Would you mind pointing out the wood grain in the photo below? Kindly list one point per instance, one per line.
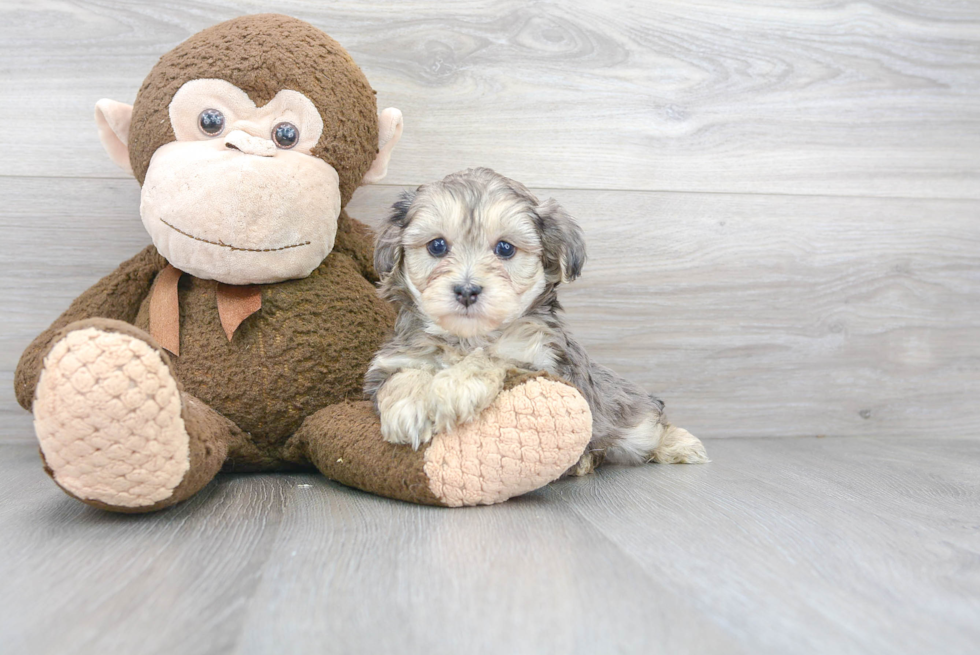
(782, 206)
(82, 580)
(870, 98)
(836, 535)
(750, 315)
(852, 545)
(388, 578)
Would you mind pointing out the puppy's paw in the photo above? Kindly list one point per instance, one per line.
(678, 446)
(404, 408)
(585, 465)
(406, 422)
(460, 393)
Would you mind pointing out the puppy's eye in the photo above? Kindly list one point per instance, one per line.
(285, 135)
(504, 250)
(437, 247)
(211, 122)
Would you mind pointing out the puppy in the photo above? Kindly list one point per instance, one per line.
(473, 263)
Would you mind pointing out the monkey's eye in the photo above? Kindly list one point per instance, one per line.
(285, 135)
(212, 122)
(437, 247)
(504, 250)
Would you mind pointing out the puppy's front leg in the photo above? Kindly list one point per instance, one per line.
(459, 393)
(403, 403)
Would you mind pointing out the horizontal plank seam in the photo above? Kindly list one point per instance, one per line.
(596, 190)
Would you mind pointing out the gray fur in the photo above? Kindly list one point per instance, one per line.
(617, 404)
(563, 241)
(387, 247)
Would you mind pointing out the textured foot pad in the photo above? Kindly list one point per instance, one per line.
(528, 437)
(107, 414)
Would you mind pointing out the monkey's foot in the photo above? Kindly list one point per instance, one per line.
(533, 432)
(108, 417)
(529, 436)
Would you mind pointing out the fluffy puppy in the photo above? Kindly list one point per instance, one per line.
(473, 264)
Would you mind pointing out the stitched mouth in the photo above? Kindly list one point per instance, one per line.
(228, 245)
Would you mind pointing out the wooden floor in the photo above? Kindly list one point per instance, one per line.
(781, 203)
(807, 545)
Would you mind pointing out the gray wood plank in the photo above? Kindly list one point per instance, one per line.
(750, 315)
(525, 577)
(856, 545)
(80, 580)
(871, 544)
(871, 98)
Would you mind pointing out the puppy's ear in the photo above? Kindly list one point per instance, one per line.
(388, 245)
(562, 240)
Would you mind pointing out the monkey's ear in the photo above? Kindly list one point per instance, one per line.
(389, 131)
(113, 119)
(562, 240)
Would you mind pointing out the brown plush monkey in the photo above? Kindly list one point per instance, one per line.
(248, 140)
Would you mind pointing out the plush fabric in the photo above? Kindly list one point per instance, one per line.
(265, 377)
(533, 429)
(164, 310)
(96, 378)
(500, 456)
(240, 219)
(261, 55)
(235, 304)
(308, 347)
(235, 105)
(116, 296)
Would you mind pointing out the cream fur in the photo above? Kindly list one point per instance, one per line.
(417, 403)
(513, 324)
(678, 446)
(510, 286)
(459, 393)
(404, 407)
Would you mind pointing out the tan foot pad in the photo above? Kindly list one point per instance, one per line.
(528, 437)
(107, 414)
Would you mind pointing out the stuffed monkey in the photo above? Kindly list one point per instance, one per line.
(239, 339)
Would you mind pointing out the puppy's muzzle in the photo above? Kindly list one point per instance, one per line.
(467, 294)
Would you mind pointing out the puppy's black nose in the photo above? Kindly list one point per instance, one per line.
(467, 294)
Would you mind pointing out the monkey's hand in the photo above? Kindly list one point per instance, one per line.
(459, 394)
(403, 405)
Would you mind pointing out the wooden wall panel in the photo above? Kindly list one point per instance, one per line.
(781, 198)
(750, 315)
(870, 98)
